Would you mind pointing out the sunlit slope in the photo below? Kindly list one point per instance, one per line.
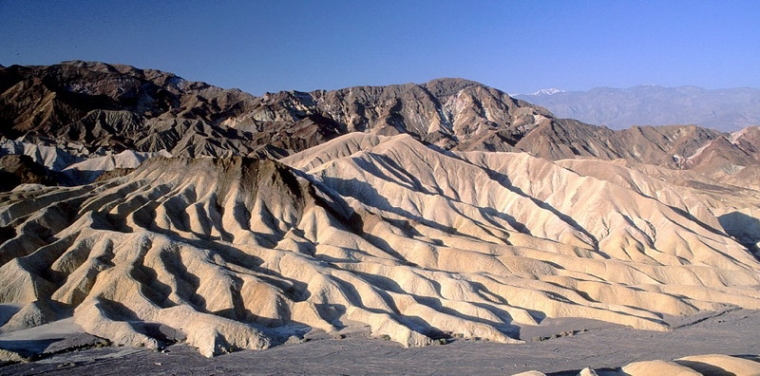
(414, 242)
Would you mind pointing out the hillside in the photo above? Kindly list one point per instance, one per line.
(415, 243)
(91, 110)
(419, 213)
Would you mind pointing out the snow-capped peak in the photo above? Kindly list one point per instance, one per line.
(549, 91)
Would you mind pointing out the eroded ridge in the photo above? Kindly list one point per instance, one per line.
(415, 243)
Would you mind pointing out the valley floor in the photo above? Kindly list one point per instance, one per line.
(600, 346)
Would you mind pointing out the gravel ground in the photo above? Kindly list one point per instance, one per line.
(599, 346)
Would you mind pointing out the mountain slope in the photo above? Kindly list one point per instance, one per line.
(414, 242)
(94, 109)
(96, 105)
(120, 107)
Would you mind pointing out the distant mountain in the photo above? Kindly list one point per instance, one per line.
(550, 91)
(724, 109)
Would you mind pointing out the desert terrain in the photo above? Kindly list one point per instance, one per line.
(145, 216)
(602, 347)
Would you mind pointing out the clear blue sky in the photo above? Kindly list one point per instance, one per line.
(516, 46)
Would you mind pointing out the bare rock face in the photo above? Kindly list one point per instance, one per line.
(119, 107)
(94, 109)
(21, 169)
(87, 110)
(447, 112)
(411, 241)
(115, 107)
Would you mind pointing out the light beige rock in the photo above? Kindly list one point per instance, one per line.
(373, 230)
(718, 364)
(530, 373)
(658, 367)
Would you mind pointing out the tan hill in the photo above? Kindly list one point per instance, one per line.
(90, 169)
(413, 242)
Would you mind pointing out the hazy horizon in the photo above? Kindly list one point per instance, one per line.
(517, 47)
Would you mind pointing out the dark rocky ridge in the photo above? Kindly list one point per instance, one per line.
(114, 107)
(103, 108)
(21, 169)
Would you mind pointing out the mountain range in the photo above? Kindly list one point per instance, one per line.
(149, 210)
(84, 110)
(726, 110)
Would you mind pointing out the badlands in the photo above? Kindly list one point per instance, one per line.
(169, 216)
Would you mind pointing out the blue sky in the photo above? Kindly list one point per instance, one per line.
(516, 46)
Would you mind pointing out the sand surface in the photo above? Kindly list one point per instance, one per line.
(601, 348)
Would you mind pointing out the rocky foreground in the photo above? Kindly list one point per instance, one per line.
(605, 349)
